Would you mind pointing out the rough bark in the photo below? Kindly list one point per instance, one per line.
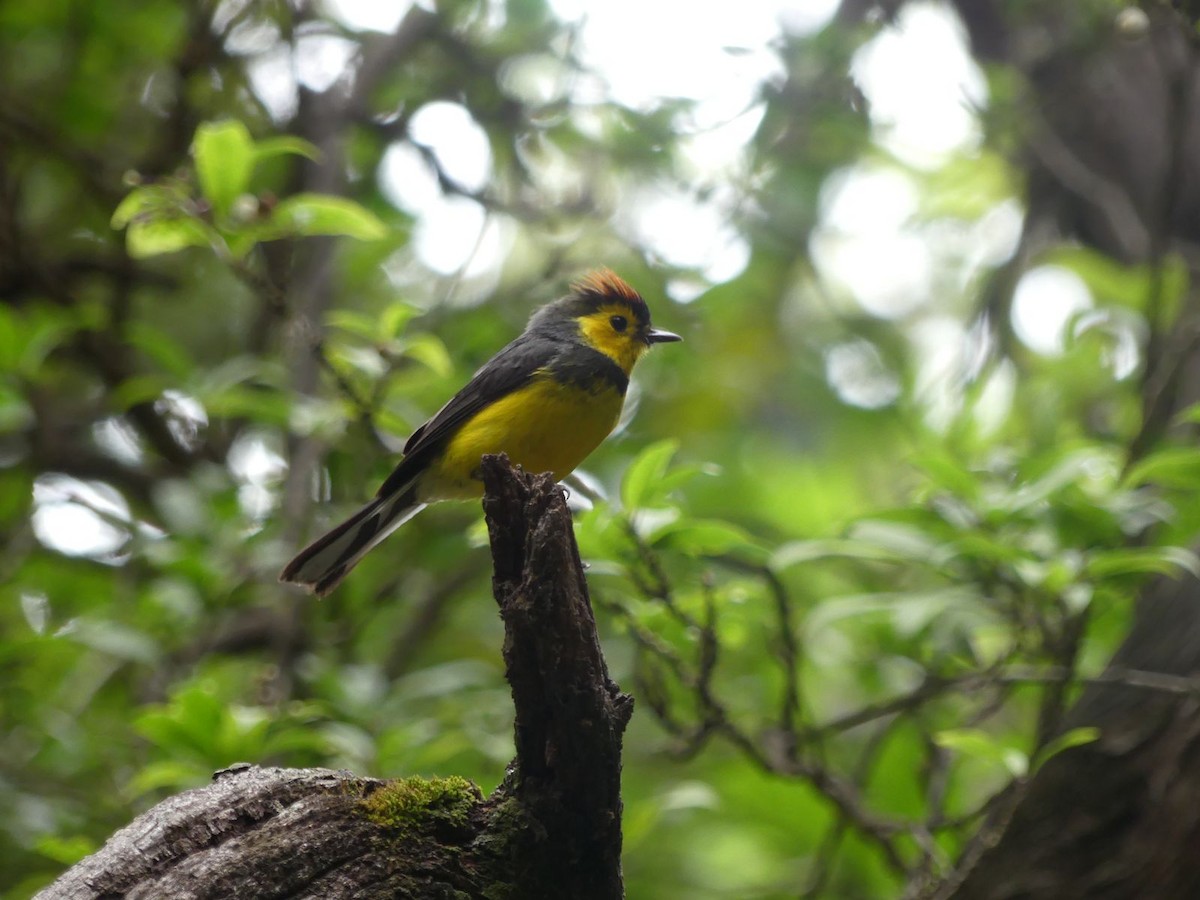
(257, 833)
(570, 715)
(552, 829)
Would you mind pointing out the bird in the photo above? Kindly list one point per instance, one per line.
(547, 399)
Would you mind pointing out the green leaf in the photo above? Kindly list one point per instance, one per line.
(243, 240)
(639, 487)
(163, 348)
(795, 553)
(947, 472)
(190, 725)
(171, 774)
(871, 540)
(353, 322)
(43, 333)
(906, 542)
(1142, 561)
(705, 537)
(64, 850)
(981, 745)
(393, 319)
(12, 328)
(908, 611)
(234, 371)
(966, 188)
(159, 218)
(1177, 467)
(300, 740)
(991, 548)
(1112, 282)
(148, 200)
(1078, 467)
(112, 639)
(1076, 737)
(133, 204)
(15, 412)
(138, 389)
(313, 214)
(225, 156)
(244, 402)
(155, 237)
(285, 144)
(680, 475)
(429, 350)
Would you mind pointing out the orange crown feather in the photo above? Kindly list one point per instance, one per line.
(606, 283)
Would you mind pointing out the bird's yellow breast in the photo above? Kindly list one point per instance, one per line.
(546, 426)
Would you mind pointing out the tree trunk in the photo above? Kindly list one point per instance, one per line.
(1118, 819)
(552, 829)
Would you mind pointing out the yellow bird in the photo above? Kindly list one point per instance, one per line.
(547, 400)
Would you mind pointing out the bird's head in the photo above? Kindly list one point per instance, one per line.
(609, 316)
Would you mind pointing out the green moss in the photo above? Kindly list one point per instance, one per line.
(509, 823)
(423, 804)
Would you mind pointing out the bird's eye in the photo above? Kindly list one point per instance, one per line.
(619, 323)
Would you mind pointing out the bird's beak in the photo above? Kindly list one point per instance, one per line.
(658, 336)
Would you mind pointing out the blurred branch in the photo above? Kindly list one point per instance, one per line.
(680, 687)
(422, 621)
(383, 54)
(789, 652)
(1169, 346)
(777, 750)
(1163, 379)
(1109, 198)
(364, 407)
(20, 126)
(325, 119)
(201, 49)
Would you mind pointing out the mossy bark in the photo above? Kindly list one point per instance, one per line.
(552, 829)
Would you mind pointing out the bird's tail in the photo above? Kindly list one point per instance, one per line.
(321, 565)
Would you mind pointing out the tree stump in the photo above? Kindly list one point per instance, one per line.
(552, 829)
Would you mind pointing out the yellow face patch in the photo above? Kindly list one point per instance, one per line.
(602, 330)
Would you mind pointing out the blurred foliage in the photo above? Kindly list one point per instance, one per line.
(846, 561)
